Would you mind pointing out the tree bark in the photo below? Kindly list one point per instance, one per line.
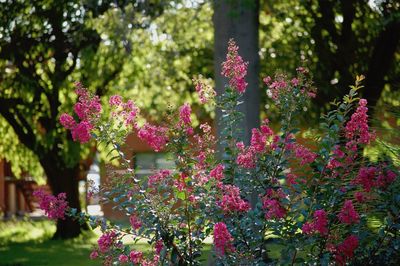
(238, 19)
(63, 179)
(381, 61)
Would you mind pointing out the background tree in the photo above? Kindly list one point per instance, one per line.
(340, 39)
(42, 44)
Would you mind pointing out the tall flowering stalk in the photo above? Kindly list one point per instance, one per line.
(316, 200)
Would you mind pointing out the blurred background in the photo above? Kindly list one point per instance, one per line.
(149, 51)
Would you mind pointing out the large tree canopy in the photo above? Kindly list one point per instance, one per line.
(43, 45)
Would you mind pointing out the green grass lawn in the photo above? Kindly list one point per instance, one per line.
(27, 243)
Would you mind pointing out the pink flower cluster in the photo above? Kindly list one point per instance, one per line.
(345, 251)
(184, 114)
(88, 107)
(370, 177)
(218, 172)
(234, 68)
(135, 222)
(246, 157)
(357, 129)
(136, 256)
(159, 246)
(348, 215)
(126, 111)
(206, 92)
(53, 206)
(222, 239)
(304, 154)
(155, 136)
(158, 177)
(123, 258)
(282, 87)
(318, 225)
(231, 200)
(276, 87)
(271, 202)
(106, 240)
(260, 141)
(88, 110)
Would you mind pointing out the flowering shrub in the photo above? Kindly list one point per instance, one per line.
(316, 201)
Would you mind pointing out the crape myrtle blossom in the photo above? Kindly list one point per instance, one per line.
(272, 204)
(231, 200)
(348, 215)
(155, 136)
(281, 88)
(135, 222)
(54, 207)
(374, 177)
(222, 239)
(234, 68)
(106, 241)
(357, 129)
(319, 224)
(158, 177)
(205, 91)
(345, 250)
(88, 109)
(218, 172)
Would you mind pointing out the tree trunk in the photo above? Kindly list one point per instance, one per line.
(239, 20)
(381, 61)
(64, 179)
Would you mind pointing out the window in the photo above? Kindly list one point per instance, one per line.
(147, 163)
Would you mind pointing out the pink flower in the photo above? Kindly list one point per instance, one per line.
(115, 100)
(234, 68)
(217, 172)
(123, 258)
(222, 239)
(308, 228)
(345, 250)
(53, 206)
(184, 114)
(155, 136)
(267, 80)
(205, 91)
(295, 82)
(271, 202)
(291, 179)
(359, 196)
(93, 255)
(67, 121)
(304, 154)
(258, 140)
(158, 177)
(246, 157)
(135, 222)
(320, 222)
(366, 177)
(384, 180)
(88, 107)
(318, 225)
(348, 214)
(159, 246)
(106, 241)
(231, 200)
(357, 128)
(81, 132)
(136, 256)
